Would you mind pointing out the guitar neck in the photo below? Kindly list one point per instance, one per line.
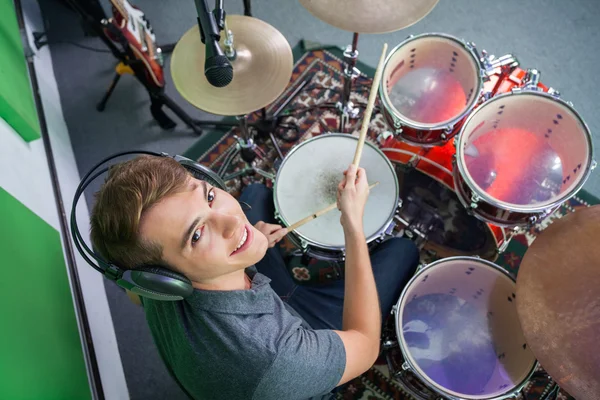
(120, 6)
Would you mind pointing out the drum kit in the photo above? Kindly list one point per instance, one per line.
(477, 150)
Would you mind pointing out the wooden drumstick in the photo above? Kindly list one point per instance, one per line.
(318, 213)
(369, 109)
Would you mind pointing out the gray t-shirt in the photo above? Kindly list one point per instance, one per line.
(244, 344)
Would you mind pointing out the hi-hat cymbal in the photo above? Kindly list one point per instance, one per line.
(261, 70)
(558, 301)
(373, 16)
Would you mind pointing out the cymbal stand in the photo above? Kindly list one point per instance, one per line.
(345, 106)
(247, 148)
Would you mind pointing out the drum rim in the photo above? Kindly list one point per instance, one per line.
(309, 241)
(395, 114)
(407, 355)
(466, 176)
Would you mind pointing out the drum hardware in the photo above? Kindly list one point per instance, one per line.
(413, 232)
(228, 48)
(246, 146)
(506, 65)
(490, 62)
(474, 200)
(556, 93)
(347, 109)
(532, 79)
(345, 106)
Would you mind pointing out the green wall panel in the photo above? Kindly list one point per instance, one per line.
(40, 349)
(17, 107)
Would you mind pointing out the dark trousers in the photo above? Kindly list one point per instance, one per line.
(394, 263)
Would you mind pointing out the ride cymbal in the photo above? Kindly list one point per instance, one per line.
(261, 69)
(373, 16)
(558, 301)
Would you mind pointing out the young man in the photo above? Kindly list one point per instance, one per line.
(247, 331)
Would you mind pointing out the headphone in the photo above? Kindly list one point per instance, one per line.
(150, 281)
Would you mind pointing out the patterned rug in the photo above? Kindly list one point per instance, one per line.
(310, 114)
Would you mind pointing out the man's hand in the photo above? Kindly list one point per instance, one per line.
(274, 233)
(352, 195)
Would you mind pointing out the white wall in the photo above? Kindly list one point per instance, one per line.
(25, 175)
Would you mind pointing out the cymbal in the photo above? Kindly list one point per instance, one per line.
(261, 70)
(558, 301)
(373, 16)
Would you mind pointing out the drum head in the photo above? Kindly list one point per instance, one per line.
(524, 151)
(307, 182)
(458, 328)
(431, 81)
(434, 207)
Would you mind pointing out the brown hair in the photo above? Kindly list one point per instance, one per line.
(130, 189)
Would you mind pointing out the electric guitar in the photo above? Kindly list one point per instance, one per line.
(134, 26)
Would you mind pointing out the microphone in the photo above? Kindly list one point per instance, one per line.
(217, 68)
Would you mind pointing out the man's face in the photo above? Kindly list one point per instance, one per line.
(200, 230)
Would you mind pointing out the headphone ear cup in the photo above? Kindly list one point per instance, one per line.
(156, 283)
(201, 172)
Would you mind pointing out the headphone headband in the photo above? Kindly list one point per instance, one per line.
(154, 282)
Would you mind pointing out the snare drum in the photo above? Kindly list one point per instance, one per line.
(430, 204)
(429, 84)
(307, 182)
(459, 332)
(520, 155)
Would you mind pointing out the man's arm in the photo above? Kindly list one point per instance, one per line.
(361, 324)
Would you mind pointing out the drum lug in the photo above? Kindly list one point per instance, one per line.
(532, 79)
(394, 308)
(397, 126)
(389, 230)
(532, 220)
(447, 131)
(485, 96)
(405, 366)
(473, 47)
(474, 200)
(413, 161)
(383, 137)
(555, 93)
(593, 165)
(303, 245)
(455, 144)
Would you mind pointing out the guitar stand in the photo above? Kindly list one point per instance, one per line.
(94, 19)
(158, 99)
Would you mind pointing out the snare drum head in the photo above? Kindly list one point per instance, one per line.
(307, 182)
(459, 330)
(524, 151)
(431, 81)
